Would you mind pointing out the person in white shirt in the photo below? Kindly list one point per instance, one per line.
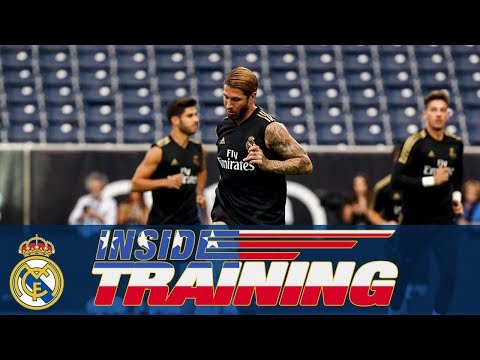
(94, 208)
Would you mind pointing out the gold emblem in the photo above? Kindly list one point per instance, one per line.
(452, 153)
(36, 282)
(431, 154)
(396, 196)
(196, 160)
(250, 142)
(174, 162)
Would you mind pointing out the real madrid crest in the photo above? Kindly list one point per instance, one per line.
(36, 281)
(452, 153)
(250, 142)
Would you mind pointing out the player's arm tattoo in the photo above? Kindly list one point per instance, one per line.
(296, 160)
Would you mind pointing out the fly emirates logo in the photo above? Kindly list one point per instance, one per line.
(430, 170)
(234, 163)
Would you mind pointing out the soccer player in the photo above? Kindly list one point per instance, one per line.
(429, 173)
(254, 152)
(385, 206)
(174, 169)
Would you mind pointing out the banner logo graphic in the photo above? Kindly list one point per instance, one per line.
(36, 281)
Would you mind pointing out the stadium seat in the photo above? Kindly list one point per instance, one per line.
(21, 94)
(331, 134)
(212, 59)
(95, 77)
(208, 133)
(400, 96)
(98, 95)
(331, 114)
(470, 96)
(137, 96)
(143, 114)
(138, 133)
(289, 96)
(396, 61)
(132, 57)
(326, 95)
(468, 78)
(466, 62)
(404, 115)
(100, 114)
(465, 49)
(285, 78)
(291, 114)
(177, 78)
(285, 59)
(61, 76)
(168, 93)
(323, 78)
(134, 77)
(432, 62)
(100, 133)
(24, 113)
(453, 124)
(397, 78)
(62, 133)
(474, 132)
(358, 61)
(19, 77)
(58, 94)
(299, 132)
(211, 114)
(364, 96)
(323, 59)
(386, 49)
(249, 56)
(16, 57)
(421, 50)
(362, 78)
(93, 57)
(54, 56)
(27, 132)
(171, 59)
(434, 79)
(401, 132)
(62, 113)
(369, 134)
(367, 114)
(210, 94)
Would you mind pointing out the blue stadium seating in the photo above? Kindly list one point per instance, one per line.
(119, 93)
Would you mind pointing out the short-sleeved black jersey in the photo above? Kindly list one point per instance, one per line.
(171, 206)
(245, 194)
(385, 200)
(420, 157)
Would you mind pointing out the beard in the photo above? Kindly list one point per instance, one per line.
(240, 114)
(186, 130)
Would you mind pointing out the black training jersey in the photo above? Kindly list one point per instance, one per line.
(420, 157)
(245, 194)
(385, 200)
(171, 206)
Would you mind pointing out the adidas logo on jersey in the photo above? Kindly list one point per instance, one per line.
(222, 141)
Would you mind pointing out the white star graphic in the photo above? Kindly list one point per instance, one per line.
(211, 243)
(177, 240)
(113, 242)
(143, 240)
(104, 240)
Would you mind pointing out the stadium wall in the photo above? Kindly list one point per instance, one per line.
(39, 184)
